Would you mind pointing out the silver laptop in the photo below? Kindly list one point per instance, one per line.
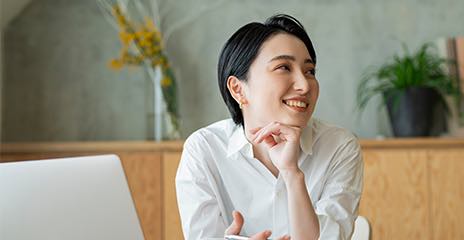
(70, 198)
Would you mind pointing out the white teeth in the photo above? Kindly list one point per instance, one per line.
(294, 103)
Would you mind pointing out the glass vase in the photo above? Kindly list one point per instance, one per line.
(161, 125)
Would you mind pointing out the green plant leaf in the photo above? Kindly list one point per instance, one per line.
(423, 68)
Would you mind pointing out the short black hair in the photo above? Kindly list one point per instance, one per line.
(239, 52)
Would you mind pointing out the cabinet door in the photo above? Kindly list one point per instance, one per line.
(395, 198)
(143, 171)
(447, 193)
(171, 219)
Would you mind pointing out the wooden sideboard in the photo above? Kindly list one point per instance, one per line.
(412, 187)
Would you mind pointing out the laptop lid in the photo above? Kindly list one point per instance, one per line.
(68, 198)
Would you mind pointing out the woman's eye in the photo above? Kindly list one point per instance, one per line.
(284, 67)
(311, 72)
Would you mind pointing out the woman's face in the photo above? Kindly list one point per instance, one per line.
(281, 85)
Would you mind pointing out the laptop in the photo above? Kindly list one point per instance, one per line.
(69, 198)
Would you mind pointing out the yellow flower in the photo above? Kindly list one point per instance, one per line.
(142, 42)
(166, 82)
(155, 62)
(149, 24)
(121, 19)
(148, 52)
(147, 39)
(147, 35)
(156, 49)
(139, 58)
(126, 38)
(163, 60)
(124, 52)
(116, 64)
(139, 34)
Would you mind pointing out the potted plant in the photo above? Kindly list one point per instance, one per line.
(413, 88)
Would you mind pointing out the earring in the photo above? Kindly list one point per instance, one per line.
(241, 103)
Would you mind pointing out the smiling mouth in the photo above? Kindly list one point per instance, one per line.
(296, 105)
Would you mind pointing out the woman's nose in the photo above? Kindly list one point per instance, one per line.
(301, 84)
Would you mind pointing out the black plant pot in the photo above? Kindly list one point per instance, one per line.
(411, 111)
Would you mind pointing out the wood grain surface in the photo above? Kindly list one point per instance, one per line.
(447, 193)
(171, 219)
(395, 194)
(143, 171)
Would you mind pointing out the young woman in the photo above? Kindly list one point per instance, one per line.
(272, 171)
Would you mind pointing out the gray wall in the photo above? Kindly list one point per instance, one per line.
(9, 9)
(1, 77)
(57, 85)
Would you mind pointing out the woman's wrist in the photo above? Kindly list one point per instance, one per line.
(291, 176)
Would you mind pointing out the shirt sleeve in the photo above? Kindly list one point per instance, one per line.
(337, 208)
(198, 206)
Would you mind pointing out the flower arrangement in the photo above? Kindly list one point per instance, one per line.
(142, 45)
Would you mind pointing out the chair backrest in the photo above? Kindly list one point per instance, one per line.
(362, 229)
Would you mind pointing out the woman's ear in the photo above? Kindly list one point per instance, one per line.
(236, 89)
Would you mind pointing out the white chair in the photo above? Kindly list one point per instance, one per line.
(362, 230)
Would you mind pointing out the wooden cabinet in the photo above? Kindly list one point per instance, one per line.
(446, 171)
(171, 219)
(412, 188)
(144, 176)
(395, 194)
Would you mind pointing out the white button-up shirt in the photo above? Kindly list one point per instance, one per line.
(218, 174)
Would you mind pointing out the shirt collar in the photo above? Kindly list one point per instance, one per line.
(306, 138)
(238, 139)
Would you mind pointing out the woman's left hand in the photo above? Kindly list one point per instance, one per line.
(283, 142)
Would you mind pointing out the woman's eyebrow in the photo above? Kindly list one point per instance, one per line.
(309, 60)
(283, 57)
(291, 58)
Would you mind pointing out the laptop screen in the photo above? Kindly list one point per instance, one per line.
(68, 198)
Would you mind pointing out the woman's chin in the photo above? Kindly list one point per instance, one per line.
(296, 122)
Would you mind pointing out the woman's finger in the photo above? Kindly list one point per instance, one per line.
(266, 131)
(264, 235)
(236, 225)
(270, 141)
(254, 130)
(283, 131)
(286, 237)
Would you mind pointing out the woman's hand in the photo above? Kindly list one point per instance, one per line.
(237, 224)
(283, 143)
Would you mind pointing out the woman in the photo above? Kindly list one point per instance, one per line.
(271, 171)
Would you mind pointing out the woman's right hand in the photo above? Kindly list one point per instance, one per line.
(237, 224)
